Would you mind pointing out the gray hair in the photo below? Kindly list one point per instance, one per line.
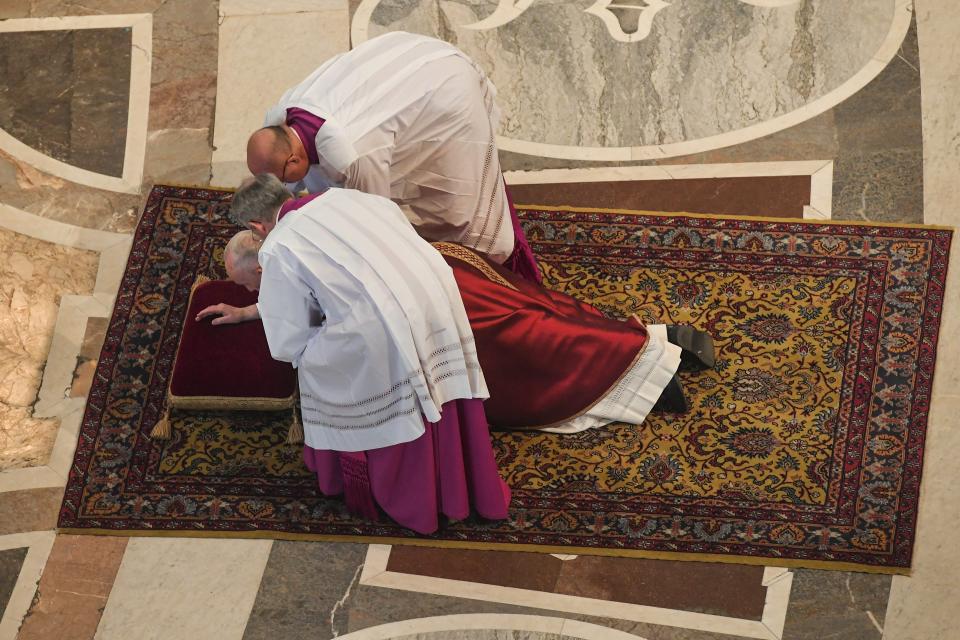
(243, 247)
(258, 199)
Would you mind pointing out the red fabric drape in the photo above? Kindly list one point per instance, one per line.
(546, 356)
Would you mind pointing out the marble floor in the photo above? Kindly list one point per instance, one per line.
(789, 108)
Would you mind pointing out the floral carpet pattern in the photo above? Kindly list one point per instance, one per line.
(803, 446)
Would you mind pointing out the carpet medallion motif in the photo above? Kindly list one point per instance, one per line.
(803, 446)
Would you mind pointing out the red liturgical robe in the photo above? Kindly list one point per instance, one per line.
(546, 356)
(535, 346)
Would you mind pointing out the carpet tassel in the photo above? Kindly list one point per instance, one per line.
(162, 430)
(295, 435)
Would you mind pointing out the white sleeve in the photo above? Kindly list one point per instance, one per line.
(289, 310)
(370, 173)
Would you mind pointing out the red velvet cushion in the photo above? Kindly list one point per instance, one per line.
(227, 360)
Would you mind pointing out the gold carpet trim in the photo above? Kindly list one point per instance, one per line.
(479, 546)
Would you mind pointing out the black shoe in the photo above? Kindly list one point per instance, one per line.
(672, 399)
(696, 347)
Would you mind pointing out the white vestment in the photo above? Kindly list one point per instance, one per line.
(411, 118)
(635, 395)
(371, 317)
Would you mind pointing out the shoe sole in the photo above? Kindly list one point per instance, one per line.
(697, 347)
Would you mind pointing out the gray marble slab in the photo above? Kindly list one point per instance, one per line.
(304, 591)
(65, 93)
(878, 171)
(10, 562)
(707, 66)
(836, 604)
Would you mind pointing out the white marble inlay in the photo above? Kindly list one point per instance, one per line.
(777, 580)
(184, 588)
(235, 8)
(264, 49)
(448, 626)
(643, 11)
(710, 74)
(771, 3)
(39, 544)
(924, 605)
(141, 60)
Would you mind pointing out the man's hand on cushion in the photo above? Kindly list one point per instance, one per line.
(229, 314)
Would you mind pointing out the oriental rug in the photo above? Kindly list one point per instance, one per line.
(803, 447)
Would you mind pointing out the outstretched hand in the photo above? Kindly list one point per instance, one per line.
(227, 314)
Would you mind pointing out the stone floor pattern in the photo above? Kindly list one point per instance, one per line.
(787, 108)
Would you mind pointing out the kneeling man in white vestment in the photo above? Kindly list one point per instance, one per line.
(406, 117)
(391, 390)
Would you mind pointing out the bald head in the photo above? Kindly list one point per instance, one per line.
(267, 150)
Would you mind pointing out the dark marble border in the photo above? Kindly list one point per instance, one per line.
(11, 561)
(771, 196)
(731, 590)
